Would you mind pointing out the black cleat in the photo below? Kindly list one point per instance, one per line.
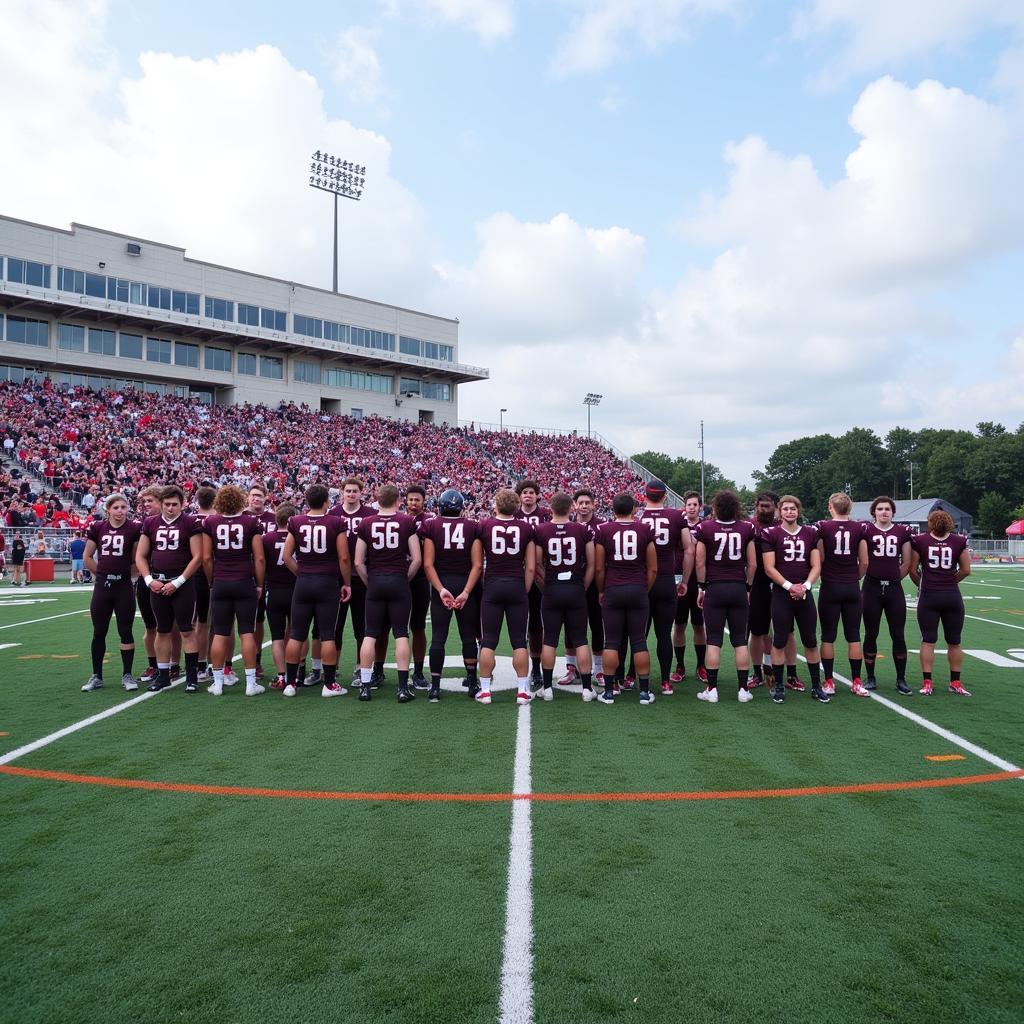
(818, 694)
(419, 682)
(157, 685)
(536, 680)
(405, 695)
(435, 694)
(364, 691)
(871, 683)
(192, 686)
(474, 689)
(377, 680)
(315, 678)
(901, 685)
(779, 694)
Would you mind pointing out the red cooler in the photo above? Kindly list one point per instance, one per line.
(39, 570)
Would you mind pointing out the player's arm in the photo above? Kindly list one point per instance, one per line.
(288, 554)
(428, 566)
(688, 545)
(751, 562)
(770, 571)
(588, 573)
(862, 558)
(905, 556)
(415, 557)
(361, 559)
(599, 568)
(915, 567)
(963, 569)
(538, 554)
(815, 572)
(530, 565)
(700, 567)
(345, 565)
(259, 560)
(820, 548)
(142, 564)
(652, 565)
(88, 556)
(208, 557)
(476, 554)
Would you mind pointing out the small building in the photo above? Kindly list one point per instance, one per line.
(914, 512)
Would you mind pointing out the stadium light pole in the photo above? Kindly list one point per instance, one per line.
(329, 173)
(700, 445)
(911, 481)
(590, 400)
(501, 420)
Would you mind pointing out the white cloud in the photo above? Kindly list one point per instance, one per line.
(605, 32)
(488, 20)
(356, 67)
(879, 34)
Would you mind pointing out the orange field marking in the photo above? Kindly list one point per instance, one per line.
(944, 757)
(5, 734)
(695, 795)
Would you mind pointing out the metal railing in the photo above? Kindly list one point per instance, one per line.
(56, 542)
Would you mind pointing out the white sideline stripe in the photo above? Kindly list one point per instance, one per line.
(63, 615)
(950, 737)
(517, 952)
(12, 755)
(985, 583)
(980, 618)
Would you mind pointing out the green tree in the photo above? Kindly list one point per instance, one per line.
(658, 463)
(994, 514)
(800, 467)
(858, 463)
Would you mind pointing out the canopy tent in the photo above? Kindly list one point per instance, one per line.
(1015, 529)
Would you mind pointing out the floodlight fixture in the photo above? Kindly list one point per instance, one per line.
(344, 178)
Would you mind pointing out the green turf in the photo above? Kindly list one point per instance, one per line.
(147, 906)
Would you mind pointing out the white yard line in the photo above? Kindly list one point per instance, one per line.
(1010, 625)
(985, 583)
(12, 755)
(517, 952)
(32, 622)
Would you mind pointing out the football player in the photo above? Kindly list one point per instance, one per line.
(267, 521)
(884, 561)
(415, 505)
(839, 597)
(453, 561)
(388, 556)
(531, 512)
(204, 506)
(725, 565)
(509, 574)
(565, 555)
(149, 505)
(939, 560)
(793, 564)
(626, 566)
(234, 565)
(687, 608)
(352, 510)
(109, 556)
(584, 512)
(279, 586)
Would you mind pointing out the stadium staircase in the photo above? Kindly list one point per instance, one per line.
(39, 484)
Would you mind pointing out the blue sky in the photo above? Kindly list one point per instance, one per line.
(648, 199)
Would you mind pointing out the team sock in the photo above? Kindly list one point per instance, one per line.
(191, 666)
(218, 676)
(99, 648)
(485, 684)
(152, 662)
(202, 666)
(701, 650)
(900, 660)
(758, 672)
(645, 683)
(869, 662)
(815, 670)
(301, 677)
(827, 665)
(926, 677)
(330, 674)
(471, 674)
(163, 674)
(855, 668)
(524, 683)
(547, 674)
(534, 665)
(403, 679)
(954, 677)
(435, 680)
(318, 665)
(418, 668)
(741, 678)
(378, 668)
(291, 673)
(712, 678)
(250, 678)
(365, 675)
(779, 672)
(791, 670)
(127, 659)
(587, 680)
(680, 659)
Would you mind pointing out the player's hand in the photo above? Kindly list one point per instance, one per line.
(259, 593)
(700, 598)
(681, 590)
(346, 594)
(169, 589)
(446, 598)
(461, 601)
(157, 586)
(798, 592)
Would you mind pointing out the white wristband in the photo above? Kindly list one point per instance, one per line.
(786, 585)
(149, 581)
(806, 585)
(179, 582)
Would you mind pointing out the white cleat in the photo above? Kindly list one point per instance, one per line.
(709, 694)
(334, 690)
(129, 682)
(588, 696)
(289, 691)
(547, 693)
(483, 697)
(216, 689)
(94, 683)
(523, 697)
(255, 690)
(229, 677)
(744, 696)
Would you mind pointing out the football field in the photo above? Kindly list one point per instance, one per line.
(185, 858)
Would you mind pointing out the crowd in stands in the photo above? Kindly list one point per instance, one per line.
(85, 444)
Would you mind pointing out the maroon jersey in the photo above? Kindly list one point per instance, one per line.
(453, 539)
(725, 546)
(505, 542)
(536, 517)
(273, 548)
(625, 552)
(693, 528)
(667, 525)
(421, 519)
(885, 550)
(316, 543)
(840, 540)
(266, 519)
(940, 560)
(113, 546)
(387, 542)
(563, 548)
(231, 538)
(169, 543)
(760, 534)
(351, 519)
(792, 550)
(592, 524)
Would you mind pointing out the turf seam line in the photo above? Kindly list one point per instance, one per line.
(44, 741)
(516, 1001)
